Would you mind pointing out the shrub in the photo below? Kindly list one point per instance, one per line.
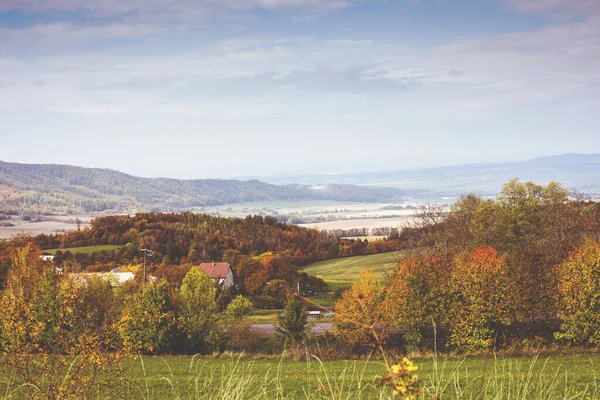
(148, 320)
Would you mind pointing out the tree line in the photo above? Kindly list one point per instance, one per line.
(519, 270)
(264, 254)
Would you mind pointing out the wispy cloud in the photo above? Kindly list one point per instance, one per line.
(310, 82)
(557, 8)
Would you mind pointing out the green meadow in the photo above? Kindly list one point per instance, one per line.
(234, 377)
(86, 249)
(341, 272)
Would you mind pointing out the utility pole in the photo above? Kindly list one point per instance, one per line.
(146, 252)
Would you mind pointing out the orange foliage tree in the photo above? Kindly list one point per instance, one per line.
(481, 304)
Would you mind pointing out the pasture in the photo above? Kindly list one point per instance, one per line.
(86, 249)
(343, 271)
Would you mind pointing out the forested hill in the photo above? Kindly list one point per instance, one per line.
(50, 188)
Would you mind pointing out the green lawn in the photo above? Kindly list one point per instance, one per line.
(343, 271)
(86, 249)
(227, 377)
(261, 316)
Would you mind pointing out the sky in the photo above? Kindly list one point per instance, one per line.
(215, 88)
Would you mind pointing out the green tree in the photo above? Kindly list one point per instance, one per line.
(239, 307)
(293, 322)
(239, 335)
(148, 320)
(198, 316)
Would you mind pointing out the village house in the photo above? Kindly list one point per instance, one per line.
(219, 272)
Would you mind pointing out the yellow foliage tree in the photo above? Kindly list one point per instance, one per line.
(46, 336)
(579, 296)
(360, 316)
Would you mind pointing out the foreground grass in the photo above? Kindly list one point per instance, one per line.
(344, 271)
(86, 249)
(231, 377)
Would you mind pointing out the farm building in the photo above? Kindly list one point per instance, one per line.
(219, 272)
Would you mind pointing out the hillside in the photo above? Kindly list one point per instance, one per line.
(572, 170)
(344, 271)
(70, 189)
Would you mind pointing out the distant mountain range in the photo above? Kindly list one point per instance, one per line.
(67, 189)
(572, 170)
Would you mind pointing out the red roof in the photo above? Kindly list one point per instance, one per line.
(215, 270)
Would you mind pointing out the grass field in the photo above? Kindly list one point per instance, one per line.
(343, 271)
(86, 249)
(229, 377)
(261, 316)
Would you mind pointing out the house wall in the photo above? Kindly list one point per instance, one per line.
(229, 278)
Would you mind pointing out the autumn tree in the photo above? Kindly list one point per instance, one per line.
(418, 296)
(579, 296)
(45, 318)
(479, 281)
(362, 319)
(30, 306)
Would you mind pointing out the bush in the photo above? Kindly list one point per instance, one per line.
(148, 321)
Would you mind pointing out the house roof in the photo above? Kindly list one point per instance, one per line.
(215, 270)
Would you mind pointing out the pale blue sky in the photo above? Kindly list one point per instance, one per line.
(214, 88)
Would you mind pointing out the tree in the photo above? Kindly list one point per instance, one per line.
(239, 307)
(579, 296)
(239, 334)
(418, 296)
(362, 319)
(480, 282)
(148, 320)
(276, 289)
(198, 317)
(30, 307)
(47, 332)
(293, 322)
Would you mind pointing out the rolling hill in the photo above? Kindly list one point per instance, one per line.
(572, 170)
(68, 189)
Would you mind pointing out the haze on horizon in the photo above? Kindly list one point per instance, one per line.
(206, 88)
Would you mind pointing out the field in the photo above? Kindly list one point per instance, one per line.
(343, 271)
(356, 223)
(230, 377)
(261, 316)
(86, 249)
(321, 214)
(58, 224)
